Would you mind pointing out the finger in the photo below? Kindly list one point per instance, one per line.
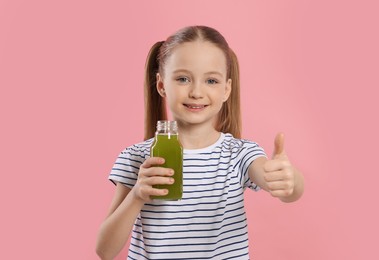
(276, 165)
(278, 145)
(150, 191)
(159, 181)
(273, 176)
(158, 192)
(279, 185)
(281, 193)
(152, 161)
(157, 171)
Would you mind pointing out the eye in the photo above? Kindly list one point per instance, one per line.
(182, 79)
(212, 81)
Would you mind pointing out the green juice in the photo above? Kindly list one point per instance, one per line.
(168, 147)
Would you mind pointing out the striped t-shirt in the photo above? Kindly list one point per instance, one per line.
(209, 222)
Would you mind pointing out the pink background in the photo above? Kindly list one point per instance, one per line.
(71, 99)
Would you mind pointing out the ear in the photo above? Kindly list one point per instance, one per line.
(228, 90)
(160, 85)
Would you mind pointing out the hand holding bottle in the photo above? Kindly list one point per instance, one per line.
(150, 174)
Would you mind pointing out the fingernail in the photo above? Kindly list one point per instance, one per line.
(172, 180)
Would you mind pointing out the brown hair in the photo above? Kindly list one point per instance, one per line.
(229, 119)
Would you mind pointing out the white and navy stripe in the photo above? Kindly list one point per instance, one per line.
(209, 222)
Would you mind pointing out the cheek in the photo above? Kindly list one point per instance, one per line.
(220, 95)
(173, 97)
(175, 92)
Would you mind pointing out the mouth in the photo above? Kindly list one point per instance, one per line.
(195, 107)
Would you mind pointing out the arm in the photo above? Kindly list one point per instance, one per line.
(127, 204)
(278, 176)
(115, 230)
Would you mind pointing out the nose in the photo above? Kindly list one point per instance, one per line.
(196, 91)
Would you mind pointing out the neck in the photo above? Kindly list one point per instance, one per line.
(197, 137)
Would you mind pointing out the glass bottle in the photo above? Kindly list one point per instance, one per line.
(166, 145)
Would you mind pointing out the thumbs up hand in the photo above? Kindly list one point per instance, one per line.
(279, 174)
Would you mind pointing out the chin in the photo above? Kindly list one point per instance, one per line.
(195, 121)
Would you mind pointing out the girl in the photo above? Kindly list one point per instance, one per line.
(196, 74)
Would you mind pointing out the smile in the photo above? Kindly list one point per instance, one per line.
(195, 106)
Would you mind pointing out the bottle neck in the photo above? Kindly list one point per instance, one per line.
(167, 127)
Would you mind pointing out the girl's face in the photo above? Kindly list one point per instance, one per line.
(194, 83)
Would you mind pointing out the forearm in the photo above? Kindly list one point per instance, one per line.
(298, 188)
(115, 230)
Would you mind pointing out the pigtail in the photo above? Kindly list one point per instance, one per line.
(230, 114)
(155, 108)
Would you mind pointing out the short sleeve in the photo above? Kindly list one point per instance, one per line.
(125, 169)
(248, 153)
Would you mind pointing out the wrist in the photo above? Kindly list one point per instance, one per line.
(135, 198)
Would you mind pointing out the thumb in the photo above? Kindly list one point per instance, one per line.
(279, 145)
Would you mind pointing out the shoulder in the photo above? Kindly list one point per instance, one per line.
(232, 143)
(141, 149)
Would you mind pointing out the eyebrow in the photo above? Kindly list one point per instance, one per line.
(208, 73)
